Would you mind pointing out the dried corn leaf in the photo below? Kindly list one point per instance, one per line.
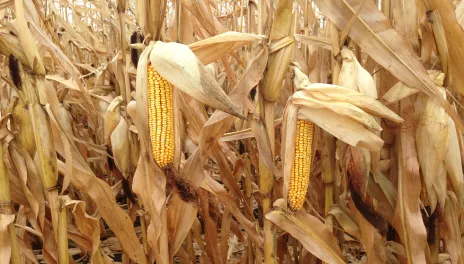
(5, 246)
(454, 38)
(373, 33)
(214, 48)
(218, 190)
(452, 233)
(407, 218)
(314, 235)
(346, 220)
(314, 41)
(370, 239)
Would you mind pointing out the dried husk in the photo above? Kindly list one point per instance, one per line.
(120, 147)
(21, 115)
(112, 117)
(432, 143)
(179, 65)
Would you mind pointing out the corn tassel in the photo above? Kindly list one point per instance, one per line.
(301, 167)
(160, 118)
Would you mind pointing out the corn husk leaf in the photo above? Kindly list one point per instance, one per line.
(220, 192)
(453, 161)
(452, 232)
(179, 65)
(182, 214)
(112, 117)
(408, 217)
(373, 33)
(398, 92)
(329, 92)
(431, 142)
(220, 122)
(212, 49)
(341, 108)
(5, 246)
(346, 220)
(314, 235)
(405, 16)
(341, 127)
(454, 37)
(83, 178)
(354, 75)
(314, 41)
(370, 239)
(89, 226)
(120, 147)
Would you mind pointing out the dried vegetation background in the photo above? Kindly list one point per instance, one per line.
(382, 82)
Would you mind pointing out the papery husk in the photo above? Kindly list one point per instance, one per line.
(453, 162)
(120, 147)
(354, 76)
(432, 142)
(179, 66)
(21, 115)
(112, 117)
(374, 34)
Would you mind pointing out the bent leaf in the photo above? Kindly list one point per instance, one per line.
(314, 235)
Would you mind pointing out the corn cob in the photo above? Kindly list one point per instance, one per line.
(160, 118)
(424, 194)
(301, 167)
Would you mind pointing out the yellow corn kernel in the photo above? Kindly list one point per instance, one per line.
(424, 195)
(301, 168)
(160, 118)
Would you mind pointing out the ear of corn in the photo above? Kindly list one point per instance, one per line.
(424, 195)
(301, 167)
(160, 118)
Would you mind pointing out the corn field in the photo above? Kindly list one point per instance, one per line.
(231, 131)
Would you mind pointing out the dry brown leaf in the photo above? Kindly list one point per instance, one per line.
(221, 194)
(452, 232)
(314, 235)
(346, 220)
(5, 246)
(87, 225)
(454, 37)
(328, 92)
(212, 49)
(373, 33)
(370, 239)
(220, 122)
(405, 16)
(408, 218)
(315, 41)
